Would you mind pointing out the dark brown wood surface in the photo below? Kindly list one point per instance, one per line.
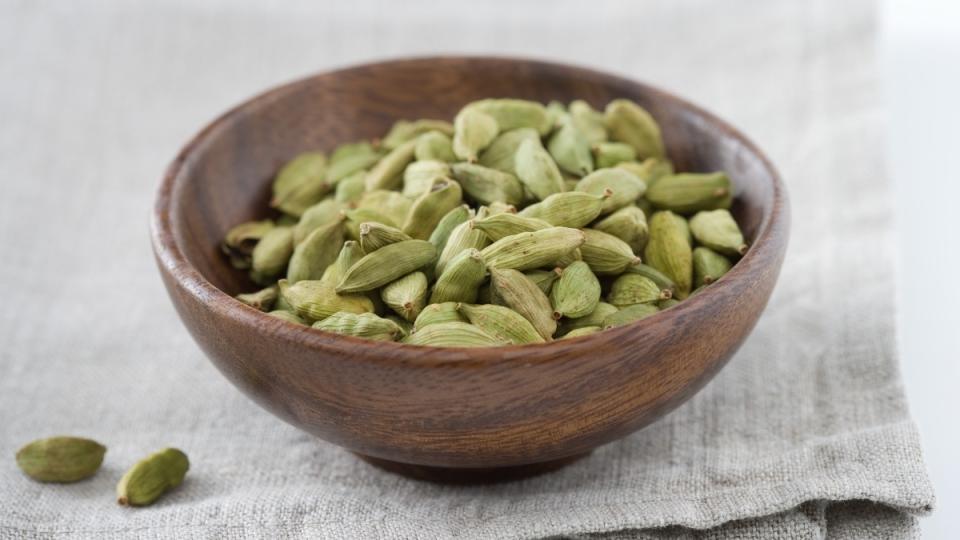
(459, 408)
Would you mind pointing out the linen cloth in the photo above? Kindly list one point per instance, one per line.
(805, 434)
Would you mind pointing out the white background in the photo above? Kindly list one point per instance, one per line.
(920, 46)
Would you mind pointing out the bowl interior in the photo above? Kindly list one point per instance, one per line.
(225, 178)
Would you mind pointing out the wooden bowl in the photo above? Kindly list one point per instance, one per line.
(451, 414)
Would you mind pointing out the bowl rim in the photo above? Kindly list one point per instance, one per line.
(171, 259)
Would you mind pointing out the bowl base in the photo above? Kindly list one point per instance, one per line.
(468, 476)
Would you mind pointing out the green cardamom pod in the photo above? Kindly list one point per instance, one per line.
(708, 266)
(629, 289)
(244, 237)
(350, 253)
(576, 293)
(451, 334)
(287, 316)
(240, 262)
(570, 149)
(568, 259)
(462, 238)
(497, 207)
(460, 279)
(628, 224)
(441, 233)
(718, 231)
(537, 170)
(434, 146)
(406, 296)
(405, 326)
(515, 113)
(625, 188)
(374, 236)
(323, 213)
(241, 241)
(544, 278)
(262, 299)
(502, 323)
(301, 183)
(388, 172)
(61, 459)
(359, 216)
(529, 197)
(573, 209)
(281, 304)
(500, 226)
(583, 331)
(606, 254)
(386, 264)
(687, 193)
(286, 220)
(404, 131)
(428, 209)
(650, 170)
(272, 253)
(151, 477)
(669, 250)
(526, 251)
(473, 130)
(419, 176)
(640, 170)
(594, 318)
(351, 188)
(629, 123)
(667, 304)
(437, 314)
(588, 121)
(501, 153)
(316, 300)
(644, 205)
(391, 204)
(317, 251)
(611, 154)
(486, 185)
(350, 158)
(656, 168)
(362, 325)
(515, 291)
(556, 111)
(662, 280)
(629, 314)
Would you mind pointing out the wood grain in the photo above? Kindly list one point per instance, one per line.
(451, 408)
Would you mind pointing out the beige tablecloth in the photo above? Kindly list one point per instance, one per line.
(805, 434)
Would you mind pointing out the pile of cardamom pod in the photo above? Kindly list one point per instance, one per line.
(517, 223)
